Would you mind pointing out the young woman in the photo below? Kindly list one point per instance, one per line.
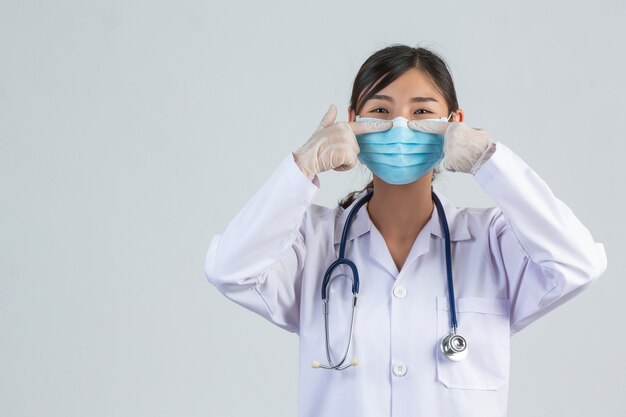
(441, 289)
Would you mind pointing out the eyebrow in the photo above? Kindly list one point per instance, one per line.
(413, 100)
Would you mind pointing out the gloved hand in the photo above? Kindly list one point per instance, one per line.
(333, 145)
(465, 148)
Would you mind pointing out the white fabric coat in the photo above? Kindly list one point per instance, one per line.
(512, 264)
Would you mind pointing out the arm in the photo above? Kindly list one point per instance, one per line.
(546, 253)
(257, 261)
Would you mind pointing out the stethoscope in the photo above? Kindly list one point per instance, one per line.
(453, 346)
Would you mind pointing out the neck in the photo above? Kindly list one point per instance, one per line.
(400, 212)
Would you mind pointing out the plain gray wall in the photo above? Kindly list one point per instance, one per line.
(132, 131)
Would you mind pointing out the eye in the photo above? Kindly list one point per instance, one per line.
(427, 111)
(379, 108)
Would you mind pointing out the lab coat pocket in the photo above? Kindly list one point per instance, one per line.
(484, 323)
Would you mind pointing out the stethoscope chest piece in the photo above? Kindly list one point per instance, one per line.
(454, 347)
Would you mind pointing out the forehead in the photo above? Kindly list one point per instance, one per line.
(412, 83)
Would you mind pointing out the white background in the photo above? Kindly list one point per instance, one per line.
(132, 131)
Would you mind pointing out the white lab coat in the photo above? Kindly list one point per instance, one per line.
(512, 264)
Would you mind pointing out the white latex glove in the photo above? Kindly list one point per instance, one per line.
(465, 148)
(333, 145)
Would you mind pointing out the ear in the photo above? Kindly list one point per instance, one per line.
(351, 115)
(458, 116)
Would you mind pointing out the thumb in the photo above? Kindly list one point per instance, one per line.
(329, 117)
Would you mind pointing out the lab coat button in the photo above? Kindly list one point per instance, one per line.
(399, 291)
(399, 369)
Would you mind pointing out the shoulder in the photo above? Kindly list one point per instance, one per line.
(483, 220)
(318, 213)
(319, 217)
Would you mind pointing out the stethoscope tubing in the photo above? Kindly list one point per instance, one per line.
(342, 260)
(446, 233)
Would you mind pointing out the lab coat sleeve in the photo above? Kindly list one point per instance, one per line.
(257, 261)
(546, 253)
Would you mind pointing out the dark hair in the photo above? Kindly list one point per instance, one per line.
(388, 64)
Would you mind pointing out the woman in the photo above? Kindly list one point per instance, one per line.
(512, 263)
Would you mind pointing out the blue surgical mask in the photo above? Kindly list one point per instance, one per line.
(400, 155)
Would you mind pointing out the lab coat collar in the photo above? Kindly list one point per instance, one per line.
(361, 223)
(456, 221)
